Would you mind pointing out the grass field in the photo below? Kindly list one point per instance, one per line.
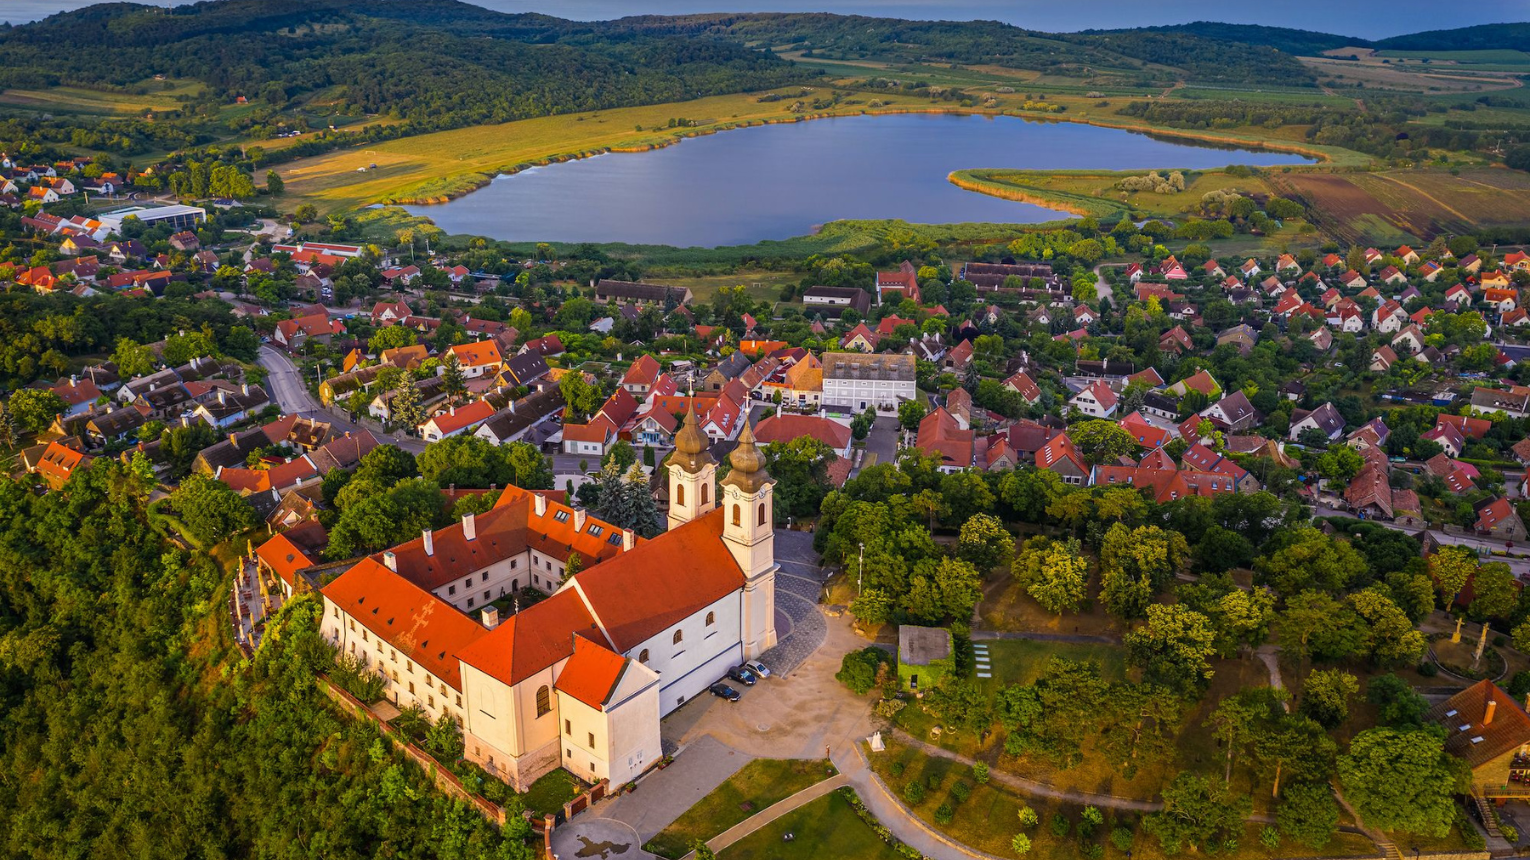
(1095, 192)
(1409, 77)
(989, 818)
(757, 786)
(705, 287)
(151, 96)
(827, 827)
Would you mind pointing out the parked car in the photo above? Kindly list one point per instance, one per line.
(742, 675)
(723, 691)
(757, 668)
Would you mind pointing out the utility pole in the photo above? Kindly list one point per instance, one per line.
(860, 578)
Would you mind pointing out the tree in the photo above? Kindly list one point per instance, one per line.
(1308, 814)
(624, 500)
(1243, 619)
(181, 348)
(1020, 844)
(1495, 592)
(308, 213)
(1294, 748)
(1451, 568)
(1136, 564)
(274, 183)
(391, 337)
(1304, 558)
(132, 358)
(1341, 463)
(700, 851)
(35, 408)
(1198, 814)
(452, 379)
(581, 399)
(1054, 573)
(861, 424)
(1326, 694)
(1397, 704)
(1101, 441)
(910, 413)
(241, 343)
(374, 521)
(1390, 639)
(8, 429)
(1234, 722)
(407, 409)
(983, 542)
(210, 510)
(1174, 647)
(858, 669)
(945, 589)
(1402, 780)
(801, 470)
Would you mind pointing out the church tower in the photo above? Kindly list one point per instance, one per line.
(749, 533)
(692, 474)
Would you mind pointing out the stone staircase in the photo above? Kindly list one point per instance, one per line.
(1488, 817)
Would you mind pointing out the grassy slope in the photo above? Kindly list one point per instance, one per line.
(760, 783)
(827, 827)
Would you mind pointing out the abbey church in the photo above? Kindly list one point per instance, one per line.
(580, 679)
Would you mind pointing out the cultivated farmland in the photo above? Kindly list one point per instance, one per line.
(1407, 205)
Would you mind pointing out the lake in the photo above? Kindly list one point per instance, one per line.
(779, 181)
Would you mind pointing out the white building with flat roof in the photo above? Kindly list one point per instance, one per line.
(176, 216)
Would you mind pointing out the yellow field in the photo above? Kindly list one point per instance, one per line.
(157, 96)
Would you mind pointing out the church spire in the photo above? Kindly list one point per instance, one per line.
(691, 444)
(748, 462)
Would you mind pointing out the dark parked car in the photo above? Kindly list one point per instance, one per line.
(742, 675)
(723, 691)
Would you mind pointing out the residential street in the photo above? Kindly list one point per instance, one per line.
(284, 384)
(1520, 566)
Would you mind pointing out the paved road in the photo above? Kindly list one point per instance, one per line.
(286, 384)
(1520, 566)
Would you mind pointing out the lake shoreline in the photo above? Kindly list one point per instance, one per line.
(478, 180)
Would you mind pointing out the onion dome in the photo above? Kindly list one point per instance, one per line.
(748, 463)
(691, 444)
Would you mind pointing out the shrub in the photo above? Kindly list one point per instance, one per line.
(1520, 683)
(889, 708)
(933, 781)
(1091, 850)
(1021, 844)
(1060, 824)
(1090, 820)
(961, 791)
(1509, 832)
(858, 669)
(1028, 817)
(914, 792)
(1428, 669)
(1269, 837)
(1121, 837)
(897, 768)
(980, 771)
(944, 813)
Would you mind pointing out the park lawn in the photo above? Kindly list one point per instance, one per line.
(827, 827)
(989, 818)
(1020, 661)
(758, 785)
(1006, 607)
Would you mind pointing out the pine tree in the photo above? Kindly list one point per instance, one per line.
(408, 410)
(7, 428)
(452, 377)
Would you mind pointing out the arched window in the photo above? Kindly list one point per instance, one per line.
(544, 700)
(679, 635)
(706, 490)
(679, 493)
(738, 515)
(643, 656)
(762, 514)
(711, 618)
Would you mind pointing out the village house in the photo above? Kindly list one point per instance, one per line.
(455, 420)
(1096, 400)
(858, 382)
(942, 436)
(898, 285)
(1325, 419)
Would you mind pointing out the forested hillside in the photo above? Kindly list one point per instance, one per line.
(435, 63)
(126, 730)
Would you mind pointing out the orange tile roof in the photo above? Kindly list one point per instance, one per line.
(284, 557)
(784, 428)
(477, 354)
(419, 624)
(463, 416)
(639, 594)
(59, 462)
(592, 673)
(533, 640)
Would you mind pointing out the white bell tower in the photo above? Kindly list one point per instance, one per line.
(748, 500)
(692, 474)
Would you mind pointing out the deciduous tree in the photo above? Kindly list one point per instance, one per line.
(1402, 780)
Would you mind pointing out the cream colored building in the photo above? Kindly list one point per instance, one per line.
(580, 679)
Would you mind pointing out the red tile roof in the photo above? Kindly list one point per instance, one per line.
(478, 354)
(533, 640)
(284, 557)
(784, 428)
(592, 673)
(419, 624)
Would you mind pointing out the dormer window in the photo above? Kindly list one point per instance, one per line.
(594, 531)
(561, 516)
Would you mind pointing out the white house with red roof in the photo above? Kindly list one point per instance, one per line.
(1096, 400)
(456, 420)
(581, 679)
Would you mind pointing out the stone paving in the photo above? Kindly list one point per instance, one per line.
(663, 796)
(589, 838)
(798, 585)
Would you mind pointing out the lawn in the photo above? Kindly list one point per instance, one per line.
(989, 818)
(548, 794)
(1020, 661)
(1007, 607)
(758, 785)
(827, 827)
(760, 286)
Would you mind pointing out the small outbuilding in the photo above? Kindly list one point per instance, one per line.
(925, 656)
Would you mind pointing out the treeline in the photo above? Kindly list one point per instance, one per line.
(129, 725)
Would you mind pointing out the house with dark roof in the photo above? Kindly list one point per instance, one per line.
(643, 294)
(1325, 419)
(1487, 729)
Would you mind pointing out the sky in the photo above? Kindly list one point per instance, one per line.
(1367, 18)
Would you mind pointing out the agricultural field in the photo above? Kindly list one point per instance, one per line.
(148, 96)
(1405, 77)
(1411, 205)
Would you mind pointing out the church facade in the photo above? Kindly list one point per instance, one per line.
(580, 679)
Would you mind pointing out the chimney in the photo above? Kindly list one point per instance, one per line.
(469, 528)
(276, 495)
(629, 540)
(430, 542)
(452, 410)
(490, 617)
(233, 439)
(541, 504)
(222, 396)
(1492, 705)
(390, 560)
(74, 380)
(245, 388)
(579, 516)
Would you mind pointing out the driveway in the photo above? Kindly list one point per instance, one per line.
(881, 441)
